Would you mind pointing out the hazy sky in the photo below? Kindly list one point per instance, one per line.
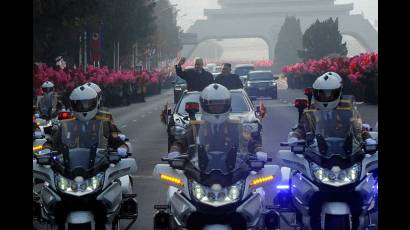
(191, 10)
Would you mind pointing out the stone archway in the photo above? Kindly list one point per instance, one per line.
(263, 19)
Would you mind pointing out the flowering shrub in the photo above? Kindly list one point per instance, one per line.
(361, 71)
(70, 78)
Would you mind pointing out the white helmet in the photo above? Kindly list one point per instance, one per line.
(327, 91)
(84, 103)
(97, 90)
(47, 87)
(215, 102)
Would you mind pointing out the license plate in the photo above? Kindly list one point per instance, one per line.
(263, 88)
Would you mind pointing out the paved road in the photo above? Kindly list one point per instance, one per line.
(141, 122)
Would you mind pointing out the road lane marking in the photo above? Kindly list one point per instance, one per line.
(134, 120)
(123, 126)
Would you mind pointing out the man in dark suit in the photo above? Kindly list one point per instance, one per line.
(197, 79)
(227, 79)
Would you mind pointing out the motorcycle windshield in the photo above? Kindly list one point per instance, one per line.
(219, 147)
(78, 134)
(336, 133)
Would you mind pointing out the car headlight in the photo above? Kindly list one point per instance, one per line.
(216, 195)
(272, 83)
(177, 130)
(248, 84)
(336, 177)
(79, 186)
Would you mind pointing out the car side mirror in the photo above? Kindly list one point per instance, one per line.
(169, 112)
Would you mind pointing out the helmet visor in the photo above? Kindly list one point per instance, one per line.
(48, 89)
(216, 107)
(326, 95)
(84, 105)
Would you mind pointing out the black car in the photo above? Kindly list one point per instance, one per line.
(179, 88)
(242, 109)
(261, 83)
(242, 70)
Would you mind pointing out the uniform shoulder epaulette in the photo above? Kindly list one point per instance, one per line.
(68, 119)
(309, 110)
(104, 112)
(102, 118)
(196, 122)
(345, 105)
(234, 120)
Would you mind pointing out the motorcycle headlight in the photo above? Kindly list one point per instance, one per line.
(80, 186)
(178, 88)
(177, 130)
(336, 177)
(217, 197)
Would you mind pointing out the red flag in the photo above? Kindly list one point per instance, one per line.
(95, 47)
(262, 109)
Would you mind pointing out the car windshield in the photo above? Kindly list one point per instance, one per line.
(238, 103)
(242, 71)
(260, 76)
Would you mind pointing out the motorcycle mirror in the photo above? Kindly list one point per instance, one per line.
(114, 158)
(256, 164)
(301, 103)
(44, 160)
(308, 91)
(298, 147)
(371, 149)
(262, 156)
(177, 163)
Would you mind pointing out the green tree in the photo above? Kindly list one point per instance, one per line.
(58, 24)
(322, 39)
(289, 42)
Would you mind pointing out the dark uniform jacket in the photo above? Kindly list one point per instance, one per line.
(232, 81)
(195, 81)
(78, 134)
(338, 122)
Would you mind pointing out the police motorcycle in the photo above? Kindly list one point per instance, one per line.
(82, 188)
(41, 133)
(328, 182)
(214, 188)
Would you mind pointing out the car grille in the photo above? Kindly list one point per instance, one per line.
(260, 84)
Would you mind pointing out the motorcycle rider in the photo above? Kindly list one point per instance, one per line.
(47, 103)
(102, 111)
(327, 95)
(87, 126)
(215, 102)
